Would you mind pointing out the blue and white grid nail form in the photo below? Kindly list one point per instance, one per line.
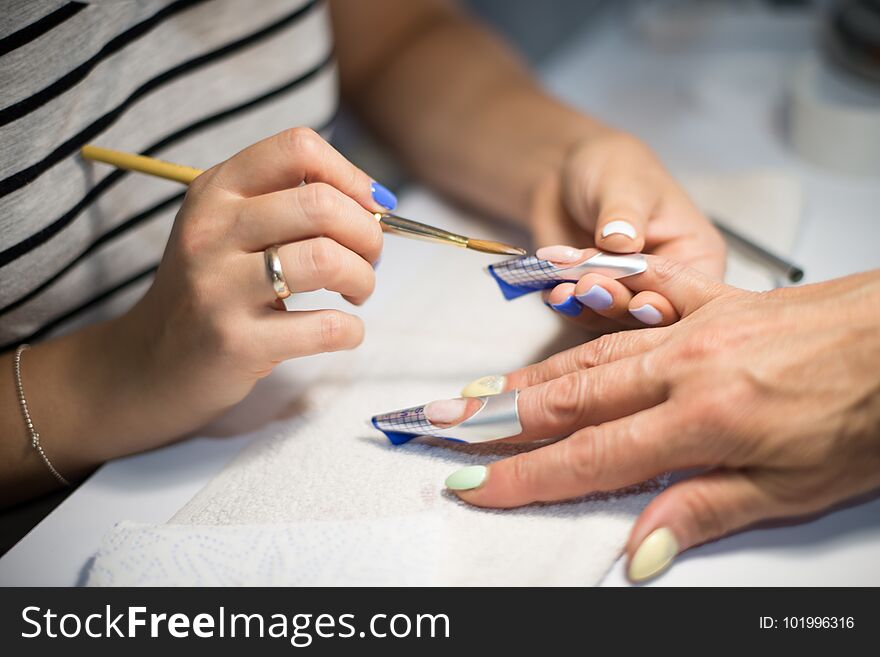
(497, 417)
(520, 276)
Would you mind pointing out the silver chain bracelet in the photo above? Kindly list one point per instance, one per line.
(35, 436)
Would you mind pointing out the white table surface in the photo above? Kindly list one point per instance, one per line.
(710, 104)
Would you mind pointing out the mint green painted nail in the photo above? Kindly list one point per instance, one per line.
(467, 478)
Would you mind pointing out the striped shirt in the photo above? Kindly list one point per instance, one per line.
(189, 81)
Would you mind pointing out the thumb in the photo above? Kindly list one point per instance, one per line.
(684, 287)
(621, 225)
(692, 512)
(616, 210)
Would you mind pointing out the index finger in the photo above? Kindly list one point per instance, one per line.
(561, 406)
(608, 457)
(293, 157)
(685, 287)
(605, 349)
(558, 407)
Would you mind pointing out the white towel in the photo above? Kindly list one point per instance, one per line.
(136, 554)
(332, 465)
(435, 323)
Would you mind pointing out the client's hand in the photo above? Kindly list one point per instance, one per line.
(613, 193)
(776, 395)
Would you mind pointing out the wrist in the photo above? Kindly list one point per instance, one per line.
(79, 388)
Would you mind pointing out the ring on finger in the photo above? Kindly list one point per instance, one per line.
(276, 273)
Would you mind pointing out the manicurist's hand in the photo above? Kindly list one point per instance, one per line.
(212, 315)
(612, 192)
(775, 395)
(211, 325)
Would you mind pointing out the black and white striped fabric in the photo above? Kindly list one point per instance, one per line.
(190, 81)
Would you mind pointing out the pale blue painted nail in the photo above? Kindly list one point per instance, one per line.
(569, 307)
(596, 298)
(647, 314)
(383, 196)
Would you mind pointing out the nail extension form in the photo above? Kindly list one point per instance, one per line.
(520, 276)
(497, 417)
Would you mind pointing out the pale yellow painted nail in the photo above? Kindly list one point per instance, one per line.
(654, 555)
(485, 385)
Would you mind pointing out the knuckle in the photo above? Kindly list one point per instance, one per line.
(226, 338)
(722, 407)
(699, 505)
(194, 236)
(807, 491)
(593, 353)
(698, 347)
(711, 339)
(522, 473)
(709, 409)
(208, 181)
(355, 178)
(539, 372)
(321, 256)
(563, 398)
(320, 200)
(586, 458)
(200, 184)
(665, 271)
(652, 365)
(375, 240)
(303, 141)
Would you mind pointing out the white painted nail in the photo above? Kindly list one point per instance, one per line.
(654, 555)
(563, 255)
(446, 411)
(485, 385)
(619, 227)
(647, 314)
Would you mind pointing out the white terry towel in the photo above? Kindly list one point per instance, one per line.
(303, 554)
(435, 323)
(333, 466)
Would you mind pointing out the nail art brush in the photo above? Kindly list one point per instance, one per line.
(420, 231)
(390, 222)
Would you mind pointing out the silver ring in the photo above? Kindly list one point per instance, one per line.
(276, 274)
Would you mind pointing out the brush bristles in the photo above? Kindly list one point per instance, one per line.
(488, 246)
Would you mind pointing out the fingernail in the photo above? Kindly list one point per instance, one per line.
(597, 298)
(619, 227)
(446, 411)
(569, 307)
(473, 476)
(383, 196)
(485, 385)
(654, 555)
(561, 254)
(647, 314)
